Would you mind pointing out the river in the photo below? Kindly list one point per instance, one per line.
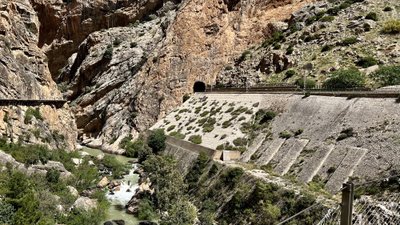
(120, 198)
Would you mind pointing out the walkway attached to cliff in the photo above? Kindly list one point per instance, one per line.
(58, 103)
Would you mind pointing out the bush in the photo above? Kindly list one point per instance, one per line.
(327, 19)
(263, 116)
(372, 16)
(196, 139)
(108, 53)
(240, 142)
(387, 75)
(30, 113)
(117, 42)
(391, 27)
(156, 140)
(309, 83)
(346, 133)
(326, 48)
(146, 210)
(232, 176)
(289, 50)
(133, 45)
(285, 134)
(289, 74)
(53, 175)
(171, 128)
(345, 78)
(185, 97)
(177, 134)
(117, 168)
(348, 41)
(366, 62)
(388, 9)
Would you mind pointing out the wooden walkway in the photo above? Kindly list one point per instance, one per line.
(58, 103)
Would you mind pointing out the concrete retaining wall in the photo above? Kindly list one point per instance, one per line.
(213, 154)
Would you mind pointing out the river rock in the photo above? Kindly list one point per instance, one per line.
(103, 182)
(100, 157)
(73, 191)
(119, 222)
(85, 203)
(147, 223)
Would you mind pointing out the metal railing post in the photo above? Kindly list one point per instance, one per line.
(347, 203)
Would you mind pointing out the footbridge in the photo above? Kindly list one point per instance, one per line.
(58, 103)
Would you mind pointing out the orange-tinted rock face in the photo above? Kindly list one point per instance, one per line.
(153, 63)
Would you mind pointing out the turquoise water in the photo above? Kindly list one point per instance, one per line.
(120, 198)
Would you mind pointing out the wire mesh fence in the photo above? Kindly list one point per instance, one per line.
(375, 203)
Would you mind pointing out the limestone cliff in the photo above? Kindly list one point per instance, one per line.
(24, 74)
(167, 52)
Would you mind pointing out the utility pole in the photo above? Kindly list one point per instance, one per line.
(347, 203)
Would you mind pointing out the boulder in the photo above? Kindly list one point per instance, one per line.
(100, 157)
(103, 182)
(77, 161)
(73, 191)
(119, 222)
(85, 203)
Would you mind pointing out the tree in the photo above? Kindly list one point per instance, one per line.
(345, 78)
(387, 75)
(7, 212)
(182, 212)
(146, 211)
(156, 140)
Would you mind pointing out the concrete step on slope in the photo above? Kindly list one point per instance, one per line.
(271, 150)
(314, 164)
(257, 142)
(346, 168)
(290, 157)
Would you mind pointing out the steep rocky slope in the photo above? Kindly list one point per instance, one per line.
(317, 40)
(24, 74)
(191, 42)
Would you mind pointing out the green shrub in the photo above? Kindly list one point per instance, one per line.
(117, 168)
(226, 124)
(290, 50)
(391, 27)
(348, 41)
(263, 116)
(387, 9)
(326, 48)
(53, 175)
(298, 132)
(387, 75)
(366, 62)
(232, 176)
(117, 42)
(185, 97)
(156, 140)
(240, 142)
(327, 19)
(309, 83)
(289, 74)
(108, 53)
(346, 133)
(196, 139)
(171, 128)
(177, 134)
(146, 210)
(372, 16)
(285, 134)
(30, 113)
(345, 78)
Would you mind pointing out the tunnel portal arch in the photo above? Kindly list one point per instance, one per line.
(199, 86)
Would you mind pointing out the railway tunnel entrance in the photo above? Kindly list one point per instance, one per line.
(199, 87)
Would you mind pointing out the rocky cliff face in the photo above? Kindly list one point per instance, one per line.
(156, 61)
(24, 74)
(317, 40)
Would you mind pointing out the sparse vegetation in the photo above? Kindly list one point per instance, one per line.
(391, 27)
(108, 53)
(32, 113)
(348, 41)
(171, 128)
(310, 83)
(346, 133)
(387, 75)
(366, 62)
(196, 139)
(177, 134)
(285, 134)
(372, 16)
(345, 78)
(240, 142)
